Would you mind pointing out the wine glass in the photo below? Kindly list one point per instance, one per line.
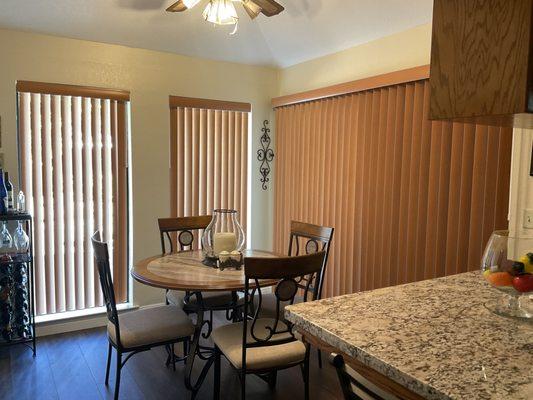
(6, 241)
(21, 239)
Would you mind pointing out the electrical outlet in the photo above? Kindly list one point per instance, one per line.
(528, 219)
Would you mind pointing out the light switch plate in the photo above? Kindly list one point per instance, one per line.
(528, 219)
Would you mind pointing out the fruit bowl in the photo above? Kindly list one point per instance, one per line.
(507, 265)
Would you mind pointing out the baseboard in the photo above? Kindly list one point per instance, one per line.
(95, 320)
(78, 323)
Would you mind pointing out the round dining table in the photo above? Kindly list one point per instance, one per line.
(185, 271)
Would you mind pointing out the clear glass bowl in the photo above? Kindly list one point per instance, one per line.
(507, 265)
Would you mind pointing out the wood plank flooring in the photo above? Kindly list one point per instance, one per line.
(72, 367)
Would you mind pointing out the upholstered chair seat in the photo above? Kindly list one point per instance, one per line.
(152, 325)
(228, 338)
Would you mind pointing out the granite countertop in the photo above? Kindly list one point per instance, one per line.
(436, 337)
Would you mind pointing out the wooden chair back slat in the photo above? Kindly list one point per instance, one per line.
(179, 225)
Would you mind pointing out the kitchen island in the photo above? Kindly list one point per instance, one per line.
(434, 339)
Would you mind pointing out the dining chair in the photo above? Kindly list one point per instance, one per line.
(263, 346)
(311, 239)
(139, 330)
(354, 386)
(187, 231)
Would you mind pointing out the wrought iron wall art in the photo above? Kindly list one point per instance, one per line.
(265, 154)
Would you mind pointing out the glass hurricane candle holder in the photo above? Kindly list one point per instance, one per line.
(507, 265)
(223, 234)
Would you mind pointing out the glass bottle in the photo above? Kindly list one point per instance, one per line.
(21, 239)
(223, 234)
(3, 193)
(21, 202)
(9, 188)
(6, 241)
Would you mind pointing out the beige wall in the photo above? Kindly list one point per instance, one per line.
(521, 196)
(403, 50)
(151, 77)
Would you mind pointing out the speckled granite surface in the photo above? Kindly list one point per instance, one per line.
(435, 337)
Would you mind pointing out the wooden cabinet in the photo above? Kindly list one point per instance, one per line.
(481, 56)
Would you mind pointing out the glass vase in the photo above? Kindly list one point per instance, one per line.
(224, 234)
(507, 265)
(21, 239)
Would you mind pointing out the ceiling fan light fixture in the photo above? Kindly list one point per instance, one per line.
(251, 8)
(221, 12)
(190, 3)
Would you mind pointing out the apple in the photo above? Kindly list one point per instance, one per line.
(523, 283)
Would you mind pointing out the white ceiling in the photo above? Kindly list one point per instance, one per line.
(305, 30)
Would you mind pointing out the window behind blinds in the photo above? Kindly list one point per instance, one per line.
(208, 156)
(73, 148)
(409, 198)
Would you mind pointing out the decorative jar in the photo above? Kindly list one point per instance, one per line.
(507, 265)
(224, 235)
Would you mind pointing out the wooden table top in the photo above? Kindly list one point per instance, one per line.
(185, 271)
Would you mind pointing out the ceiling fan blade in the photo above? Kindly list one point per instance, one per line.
(269, 7)
(251, 8)
(178, 6)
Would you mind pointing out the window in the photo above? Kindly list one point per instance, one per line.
(208, 156)
(73, 148)
(409, 198)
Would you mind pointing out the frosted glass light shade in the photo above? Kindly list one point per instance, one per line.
(221, 12)
(190, 3)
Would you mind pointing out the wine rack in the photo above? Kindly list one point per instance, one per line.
(17, 304)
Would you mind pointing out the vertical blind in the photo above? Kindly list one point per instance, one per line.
(208, 157)
(73, 172)
(409, 198)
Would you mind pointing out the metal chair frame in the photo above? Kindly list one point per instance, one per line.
(184, 228)
(104, 272)
(348, 382)
(288, 270)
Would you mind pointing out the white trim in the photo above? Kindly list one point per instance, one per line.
(62, 316)
(78, 320)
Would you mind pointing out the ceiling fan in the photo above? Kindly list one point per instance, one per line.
(222, 12)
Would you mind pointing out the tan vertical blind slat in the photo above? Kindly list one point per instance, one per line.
(57, 201)
(208, 163)
(70, 149)
(68, 203)
(409, 198)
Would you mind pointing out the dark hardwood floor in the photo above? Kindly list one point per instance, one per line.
(71, 366)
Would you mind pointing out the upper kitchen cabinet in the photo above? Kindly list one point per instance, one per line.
(481, 62)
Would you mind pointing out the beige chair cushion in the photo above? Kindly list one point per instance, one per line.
(228, 338)
(151, 326)
(268, 305)
(211, 299)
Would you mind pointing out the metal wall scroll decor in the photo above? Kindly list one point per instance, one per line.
(265, 154)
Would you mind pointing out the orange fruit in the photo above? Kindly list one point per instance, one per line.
(500, 279)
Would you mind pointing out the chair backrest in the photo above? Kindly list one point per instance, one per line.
(288, 271)
(185, 228)
(354, 386)
(314, 238)
(101, 256)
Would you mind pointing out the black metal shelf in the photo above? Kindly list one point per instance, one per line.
(15, 216)
(18, 272)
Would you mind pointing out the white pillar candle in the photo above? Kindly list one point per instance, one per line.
(224, 241)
